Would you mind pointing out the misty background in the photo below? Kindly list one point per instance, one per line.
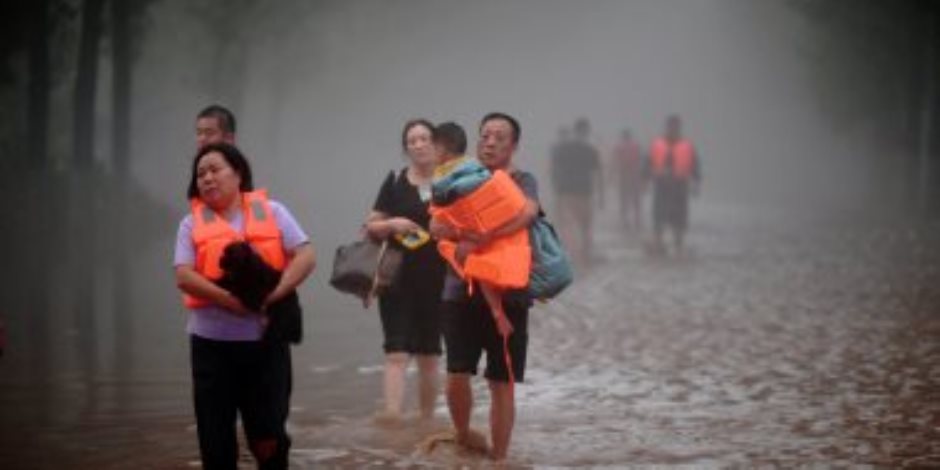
(810, 110)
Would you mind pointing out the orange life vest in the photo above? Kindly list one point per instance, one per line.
(504, 262)
(683, 157)
(212, 233)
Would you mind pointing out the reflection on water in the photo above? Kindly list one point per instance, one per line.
(769, 344)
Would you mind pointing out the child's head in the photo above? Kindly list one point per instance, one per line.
(450, 141)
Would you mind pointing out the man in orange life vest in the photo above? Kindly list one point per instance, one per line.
(675, 171)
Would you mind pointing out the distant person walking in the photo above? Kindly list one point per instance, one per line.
(627, 170)
(675, 170)
(576, 177)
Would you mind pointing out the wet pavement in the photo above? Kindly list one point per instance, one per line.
(771, 342)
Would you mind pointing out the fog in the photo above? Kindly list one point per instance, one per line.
(321, 91)
(324, 98)
(325, 92)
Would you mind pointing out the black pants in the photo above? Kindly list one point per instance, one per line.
(248, 377)
(670, 204)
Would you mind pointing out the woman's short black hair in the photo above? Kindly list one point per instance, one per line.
(232, 156)
(409, 125)
(452, 137)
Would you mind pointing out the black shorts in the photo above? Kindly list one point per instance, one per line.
(469, 330)
(411, 315)
(671, 204)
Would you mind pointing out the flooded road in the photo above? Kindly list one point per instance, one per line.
(793, 343)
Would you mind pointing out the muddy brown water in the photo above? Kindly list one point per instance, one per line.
(769, 343)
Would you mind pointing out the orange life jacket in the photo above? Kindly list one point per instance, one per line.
(506, 261)
(683, 157)
(212, 233)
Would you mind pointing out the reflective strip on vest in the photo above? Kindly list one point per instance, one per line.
(208, 216)
(258, 211)
(212, 233)
(683, 158)
(506, 261)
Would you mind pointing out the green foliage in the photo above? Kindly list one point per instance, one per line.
(868, 60)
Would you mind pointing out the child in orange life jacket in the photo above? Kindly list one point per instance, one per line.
(472, 200)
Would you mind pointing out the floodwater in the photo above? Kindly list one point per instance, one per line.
(775, 341)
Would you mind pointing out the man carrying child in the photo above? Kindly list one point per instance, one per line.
(469, 324)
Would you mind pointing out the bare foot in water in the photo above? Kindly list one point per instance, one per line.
(387, 419)
(474, 441)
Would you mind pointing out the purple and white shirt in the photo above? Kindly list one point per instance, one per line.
(217, 323)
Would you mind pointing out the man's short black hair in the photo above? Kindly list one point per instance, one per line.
(513, 123)
(220, 113)
(582, 127)
(452, 137)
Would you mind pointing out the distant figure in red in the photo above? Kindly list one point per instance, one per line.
(627, 171)
(675, 171)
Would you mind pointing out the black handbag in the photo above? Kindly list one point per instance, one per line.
(285, 322)
(365, 268)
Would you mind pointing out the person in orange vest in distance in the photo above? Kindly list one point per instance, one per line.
(628, 164)
(675, 169)
(236, 371)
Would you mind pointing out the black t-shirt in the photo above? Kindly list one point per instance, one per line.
(573, 167)
(399, 198)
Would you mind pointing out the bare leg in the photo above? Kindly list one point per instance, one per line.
(460, 404)
(638, 213)
(502, 406)
(679, 237)
(502, 417)
(568, 224)
(427, 380)
(587, 228)
(658, 244)
(395, 367)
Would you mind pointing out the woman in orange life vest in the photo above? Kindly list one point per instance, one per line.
(234, 370)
